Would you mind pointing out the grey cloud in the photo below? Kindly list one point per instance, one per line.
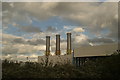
(113, 30)
(30, 29)
(0, 12)
(101, 40)
(51, 29)
(6, 6)
(14, 45)
(95, 16)
(19, 40)
(63, 40)
(36, 42)
(7, 38)
(13, 14)
(9, 50)
(39, 10)
(77, 45)
(21, 48)
(30, 41)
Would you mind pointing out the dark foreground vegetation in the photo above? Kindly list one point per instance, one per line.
(100, 68)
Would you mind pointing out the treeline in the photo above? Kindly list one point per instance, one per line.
(107, 68)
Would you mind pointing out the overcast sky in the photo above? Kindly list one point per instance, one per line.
(26, 25)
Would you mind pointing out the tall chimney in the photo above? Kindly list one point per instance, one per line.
(47, 53)
(69, 51)
(57, 52)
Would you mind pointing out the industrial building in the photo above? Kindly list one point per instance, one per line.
(85, 53)
(78, 56)
(57, 58)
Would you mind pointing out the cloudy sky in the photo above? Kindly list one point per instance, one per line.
(25, 26)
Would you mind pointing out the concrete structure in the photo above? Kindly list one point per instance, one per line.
(69, 49)
(56, 59)
(99, 50)
(58, 52)
(47, 52)
(81, 54)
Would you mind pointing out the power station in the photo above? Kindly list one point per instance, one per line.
(58, 51)
(79, 55)
(57, 57)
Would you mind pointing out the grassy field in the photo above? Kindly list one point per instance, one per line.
(100, 68)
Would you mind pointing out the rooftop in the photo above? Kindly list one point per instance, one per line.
(99, 50)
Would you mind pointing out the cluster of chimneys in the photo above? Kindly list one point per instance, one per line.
(58, 52)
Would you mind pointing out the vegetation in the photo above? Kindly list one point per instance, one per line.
(100, 68)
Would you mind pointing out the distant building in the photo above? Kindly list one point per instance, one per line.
(81, 54)
(56, 59)
(78, 56)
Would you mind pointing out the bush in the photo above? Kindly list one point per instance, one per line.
(100, 68)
